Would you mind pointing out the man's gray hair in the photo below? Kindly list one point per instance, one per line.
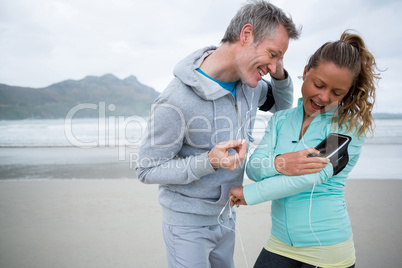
(264, 17)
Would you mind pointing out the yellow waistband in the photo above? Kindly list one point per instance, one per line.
(338, 255)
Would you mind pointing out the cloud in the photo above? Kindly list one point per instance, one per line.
(46, 41)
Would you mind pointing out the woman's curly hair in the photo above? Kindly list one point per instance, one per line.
(354, 111)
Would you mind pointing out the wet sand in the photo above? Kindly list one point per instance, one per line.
(117, 223)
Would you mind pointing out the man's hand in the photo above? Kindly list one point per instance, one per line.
(297, 163)
(279, 71)
(236, 196)
(219, 155)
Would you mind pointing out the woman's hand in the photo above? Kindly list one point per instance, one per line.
(236, 196)
(297, 163)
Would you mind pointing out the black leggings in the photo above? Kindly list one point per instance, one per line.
(268, 259)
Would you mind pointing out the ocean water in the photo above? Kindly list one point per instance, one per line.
(114, 132)
(107, 148)
(83, 133)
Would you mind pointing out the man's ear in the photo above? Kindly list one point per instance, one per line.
(247, 34)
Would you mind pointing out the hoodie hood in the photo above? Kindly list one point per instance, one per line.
(185, 70)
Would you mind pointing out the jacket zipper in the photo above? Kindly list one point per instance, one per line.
(284, 206)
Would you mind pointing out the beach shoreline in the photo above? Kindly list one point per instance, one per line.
(117, 223)
(377, 161)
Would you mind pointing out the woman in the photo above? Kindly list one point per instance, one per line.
(310, 224)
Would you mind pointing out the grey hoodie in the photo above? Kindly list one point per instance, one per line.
(187, 120)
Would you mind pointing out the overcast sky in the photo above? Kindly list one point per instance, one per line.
(46, 41)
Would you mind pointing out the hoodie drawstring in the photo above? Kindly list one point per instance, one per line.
(248, 115)
(215, 124)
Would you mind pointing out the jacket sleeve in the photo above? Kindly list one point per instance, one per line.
(159, 161)
(280, 186)
(282, 92)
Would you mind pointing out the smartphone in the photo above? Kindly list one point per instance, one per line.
(333, 144)
(334, 147)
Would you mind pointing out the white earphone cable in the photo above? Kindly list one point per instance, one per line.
(311, 228)
(230, 216)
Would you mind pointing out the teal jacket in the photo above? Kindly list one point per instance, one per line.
(290, 195)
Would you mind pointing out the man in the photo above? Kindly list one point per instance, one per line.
(200, 126)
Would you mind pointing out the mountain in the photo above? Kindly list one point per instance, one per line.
(90, 97)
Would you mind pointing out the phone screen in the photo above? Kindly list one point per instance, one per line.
(334, 147)
(331, 144)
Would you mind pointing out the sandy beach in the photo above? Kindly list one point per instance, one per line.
(117, 223)
(66, 207)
